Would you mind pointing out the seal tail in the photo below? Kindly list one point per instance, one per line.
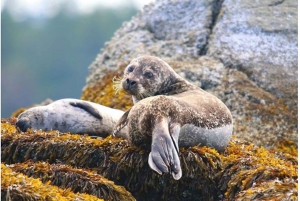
(164, 149)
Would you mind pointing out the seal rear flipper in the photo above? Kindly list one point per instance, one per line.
(164, 155)
(121, 123)
(88, 108)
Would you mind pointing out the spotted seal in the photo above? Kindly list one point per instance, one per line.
(170, 112)
(72, 115)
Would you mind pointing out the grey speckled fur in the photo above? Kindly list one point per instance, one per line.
(170, 112)
(71, 115)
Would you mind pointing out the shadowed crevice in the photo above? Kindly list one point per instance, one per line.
(217, 5)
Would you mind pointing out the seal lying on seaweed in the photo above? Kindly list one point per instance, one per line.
(71, 115)
(170, 112)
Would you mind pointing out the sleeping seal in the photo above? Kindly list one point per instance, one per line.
(71, 115)
(170, 112)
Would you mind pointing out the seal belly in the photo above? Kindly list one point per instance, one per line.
(217, 138)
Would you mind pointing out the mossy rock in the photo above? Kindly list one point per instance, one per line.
(242, 172)
(17, 186)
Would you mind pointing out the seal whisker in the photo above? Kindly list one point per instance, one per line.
(117, 83)
(145, 95)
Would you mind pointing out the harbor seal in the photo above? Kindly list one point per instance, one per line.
(170, 112)
(72, 115)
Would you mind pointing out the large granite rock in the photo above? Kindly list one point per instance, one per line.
(170, 29)
(244, 52)
(259, 38)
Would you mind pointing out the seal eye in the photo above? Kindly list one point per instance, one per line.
(148, 74)
(130, 69)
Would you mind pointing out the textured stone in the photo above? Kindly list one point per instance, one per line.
(260, 39)
(172, 29)
(244, 52)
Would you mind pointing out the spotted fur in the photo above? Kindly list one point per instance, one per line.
(170, 112)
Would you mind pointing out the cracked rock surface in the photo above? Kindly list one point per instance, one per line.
(259, 38)
(244, 52)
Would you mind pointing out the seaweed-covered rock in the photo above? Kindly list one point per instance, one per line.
(79, 163)
(77, 180)
(17, 186)
(250, 172)
(116, 160)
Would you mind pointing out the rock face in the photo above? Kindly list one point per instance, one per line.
(259, 38)
(244, 52)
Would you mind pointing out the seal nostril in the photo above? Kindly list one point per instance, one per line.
(133, 83)
(130, 82)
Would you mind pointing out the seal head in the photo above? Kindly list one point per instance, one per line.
(148, 76)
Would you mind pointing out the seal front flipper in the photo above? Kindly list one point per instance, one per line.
(121, 123)
(87, 107)
(164, 149)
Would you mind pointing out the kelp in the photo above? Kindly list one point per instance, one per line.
(53, 146)
(248, 172)
(75, 179)
(17, 187)
(114, 159)
(242, 172)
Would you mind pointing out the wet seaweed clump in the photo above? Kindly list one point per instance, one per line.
(75, 179)
(114, 159)
(254, 173)
(111, 168)
(17, 186)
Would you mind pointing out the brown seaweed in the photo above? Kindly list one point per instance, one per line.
(17, 186)
(242, 172)
(116, 160)
(75, 179)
